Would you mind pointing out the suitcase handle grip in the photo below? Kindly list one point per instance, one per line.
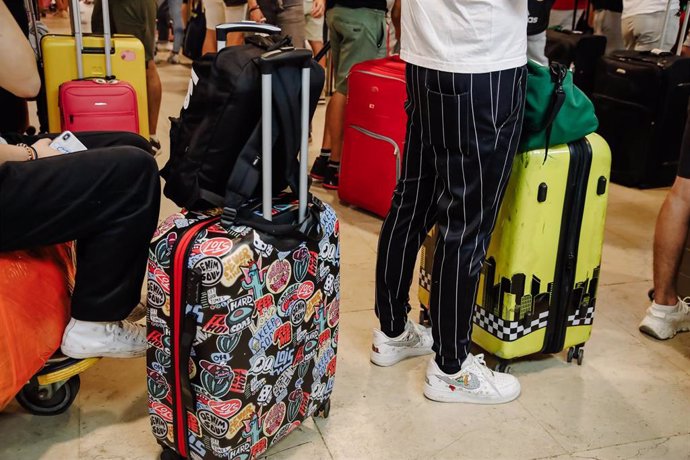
(286, 56)
(244, 26)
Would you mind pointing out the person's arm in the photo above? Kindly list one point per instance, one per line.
(318, 9)
(41, 149)
(255, 13)
(21, 76)
(395, 17)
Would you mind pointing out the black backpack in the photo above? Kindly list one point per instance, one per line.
(221, 117)
(195, 32)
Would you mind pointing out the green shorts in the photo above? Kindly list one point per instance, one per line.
(129, 17)
(357, 35)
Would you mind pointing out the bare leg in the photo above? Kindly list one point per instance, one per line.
(209, 42)
(154, 90)
(669, 241)
(335, 115)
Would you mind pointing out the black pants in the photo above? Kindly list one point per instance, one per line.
(106, 198)
(462, 134)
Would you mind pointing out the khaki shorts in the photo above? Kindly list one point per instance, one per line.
(357, 35)
(129, 17)
(218, 13)
(642, 32)
(314, 27)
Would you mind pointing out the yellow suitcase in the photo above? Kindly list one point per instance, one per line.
(537, 291)
(60, 64)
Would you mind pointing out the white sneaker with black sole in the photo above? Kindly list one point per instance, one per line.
(415, 341)
(664, 322)
(475, 384)
(117, 339)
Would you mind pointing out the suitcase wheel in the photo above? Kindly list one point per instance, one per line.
(424, 318)
(503, 366)
(169, 454)
(325, 410)
(52, 399)
(577, 353)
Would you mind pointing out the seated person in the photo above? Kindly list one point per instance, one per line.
(106, 198)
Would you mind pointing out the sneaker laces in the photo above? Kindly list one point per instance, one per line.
(684, 305)
(126, 330)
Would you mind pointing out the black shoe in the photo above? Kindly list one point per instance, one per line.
(330, 182)
(319, 168)
(155, 146)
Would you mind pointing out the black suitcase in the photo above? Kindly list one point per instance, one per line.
(578, 50)
(641, 101)
(242, 309)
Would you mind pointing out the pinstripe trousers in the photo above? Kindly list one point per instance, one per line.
(462, 134)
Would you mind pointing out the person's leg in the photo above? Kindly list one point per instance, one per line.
(215, 14)
(474, 124)
(412, 214)
(361, 33)
(106, 199)
(154, 91)
(235, 14)
(628, 32)
(175, 7)
(611, 28)
(668, 314)
(648, 28)
(291, 21)
(563, 18)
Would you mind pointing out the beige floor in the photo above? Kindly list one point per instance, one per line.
(630, 399)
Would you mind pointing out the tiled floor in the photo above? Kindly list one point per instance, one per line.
(630, 398)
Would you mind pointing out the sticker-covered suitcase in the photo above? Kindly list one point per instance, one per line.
(537, 289)
(375, 122)
(242, 323)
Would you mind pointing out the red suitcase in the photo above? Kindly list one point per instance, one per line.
(97, 104)
(375, 122)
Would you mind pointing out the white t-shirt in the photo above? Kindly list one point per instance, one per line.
(633, 7)
(464, 36)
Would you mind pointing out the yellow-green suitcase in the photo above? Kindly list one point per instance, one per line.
(537, 291)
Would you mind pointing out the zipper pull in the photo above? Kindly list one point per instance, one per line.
(194, 287)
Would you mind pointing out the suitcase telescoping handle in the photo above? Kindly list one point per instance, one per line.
(268, 63)
(683, 32)
(222, 30)
(79, 38)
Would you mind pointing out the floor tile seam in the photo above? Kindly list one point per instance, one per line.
(328, 449)
(277, 452)
(668, 437)
(545, 428)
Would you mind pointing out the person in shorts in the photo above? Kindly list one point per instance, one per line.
(357, 31)
(138, 18)
(669, 314)
(286, 14)
(313, 28)
(607, 22)
(221, 12)
(643, 23)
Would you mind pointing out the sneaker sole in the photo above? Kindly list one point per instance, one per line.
(437, 395)
(660, 329)
(78, 355)
(386, 361)
(329, 187)
(316, 177)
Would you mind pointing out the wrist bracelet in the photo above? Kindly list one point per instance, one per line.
(30, 150)
(254, 8)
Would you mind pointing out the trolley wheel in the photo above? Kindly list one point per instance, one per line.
(580, 356)
(503, 366)
(650, 294)
(571, 354)
(169, 454)
(48, 400)
(424, 318)
(326, 409)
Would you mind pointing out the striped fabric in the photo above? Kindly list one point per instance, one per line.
(462, 134)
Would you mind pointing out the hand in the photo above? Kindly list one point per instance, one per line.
(257, 16)
(44, 150)
(318, 9)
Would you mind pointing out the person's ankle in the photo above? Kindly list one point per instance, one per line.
(449, 367)
(325, 153)
(669, 299)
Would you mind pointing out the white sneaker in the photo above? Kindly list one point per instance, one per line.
(415, 341)
(117, 339)
(664, 323)
(174, 58)
(475, 383)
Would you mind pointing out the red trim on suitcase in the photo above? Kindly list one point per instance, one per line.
(178, 273)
